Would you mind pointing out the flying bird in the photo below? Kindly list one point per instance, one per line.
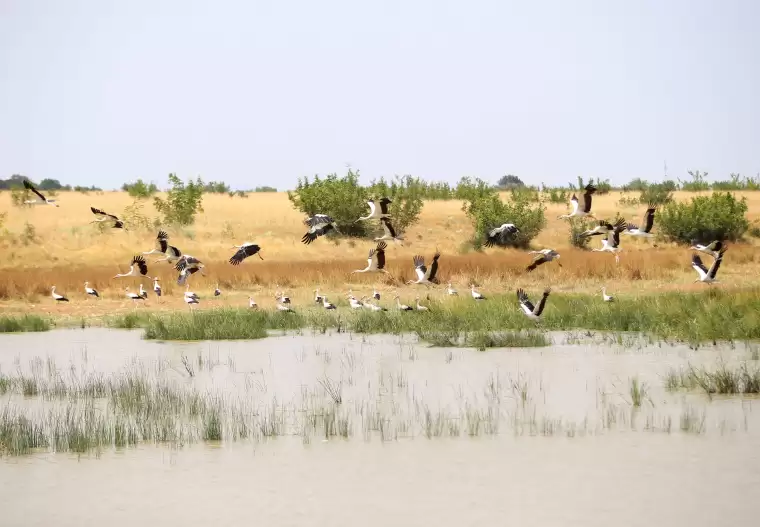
(90, 291)
(585, 208)
(57, 297)
(244, 251)
(713, 248)
(375, 260)
(187, 266)
(171, 253)
(319, 225)
(707, 275)
(500, 235)
(137, 268)
(646, 232)
(543, 256)
(532, 312)
(612, 243)
(376, 213)
(104, 216)
(425, 275)
(604, 228)
(389, 233)
(42, 201)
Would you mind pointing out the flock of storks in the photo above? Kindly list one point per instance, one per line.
(322, 224)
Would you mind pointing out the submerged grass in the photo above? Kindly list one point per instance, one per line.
(22, 323)
(713, 315)
(721, 380)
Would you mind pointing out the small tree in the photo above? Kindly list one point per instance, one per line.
(182, 203)
(577, 227)
(490, 211)
(719, 216)
(216, 187)
(509, 182)
(656, 194)
(140, 189)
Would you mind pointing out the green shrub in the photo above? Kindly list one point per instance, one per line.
(656, 194)
(407, 196)
(636, 184)
(182, 201)
(216, 187)
(698, 182)
(509, 182)
(469, 190)
(525, 193)
(490, 211)
(555, 194)
(437, 191)
(264, 189)
(737, 182)
(140, 189)
(577, 227)
(719, 216)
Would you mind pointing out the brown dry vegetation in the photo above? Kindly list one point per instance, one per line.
(68, 250)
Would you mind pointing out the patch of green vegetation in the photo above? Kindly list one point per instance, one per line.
(23, 323)
(721, 380)
(483, 340)
(719, 216)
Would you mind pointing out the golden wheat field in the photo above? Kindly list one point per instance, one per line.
(66, 250)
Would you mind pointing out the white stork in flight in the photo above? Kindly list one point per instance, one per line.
(532, 312)
(612, 243)
(319, 225)
(713, 248)
(425, 275)
(244, 251)
(604, 228)
(42, 201)
(57, 297)
(375, 260)
(646, 231)
(543, 256)
(170, 252)
(581, 210)
(137, 268)
(187, 266)
(374, 213)
(389, 233)
(103, 216)
(499, 235)
(707, 276)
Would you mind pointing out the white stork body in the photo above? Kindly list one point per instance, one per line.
(375, 260)
(389, 233)
(500, 234)
(476, 295)
(283, 307)
(375, 294)
(612, 243)
(191, 301)
(531, 311)
(713, 248)
(402, 307)
(581, 210)
(252, 303)
(137, 268)
(319, 225)
(354, 303)
(425, 275)
(374, 212)
(217, 291)
(543, 256)
(326, 304)
(645, 231)
(244, 251)
(372, 307)
(419, 306)
(191, 294)
(103, 216)
(606, 297)
(171, 253)
(317, 297)
(451, 291)
(707, 276)
(156, 287)
(42, 201)
(133, 296)
(90, 290)
(57, 297)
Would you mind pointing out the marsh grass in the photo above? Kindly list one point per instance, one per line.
(482, 340)
(721, 380)
(23, 323)
(638, 392)
(714, 315)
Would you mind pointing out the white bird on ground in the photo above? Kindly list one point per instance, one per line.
(326, 304)
(133, 296)
(354, 303)
(284, 307)
(369, 305)
(191, 294)
(137, 268)
(713, 248)
(42, 201)
(217, 291)
(582, 210)
(171, 253)
(400, 306)
(104, 216)
(191, 301)
(475, 294)
(375, 294)
(425, 275)
(281, 297)
(451, 291)
(90, 290)
(500, 234)
(705, 275)
(188, 265)
(375, 260)
(57, 297)
(252, 303)
(532, 312)
(319, 225)
(317, 297)
(646, 231)
(244, 251)
(419, 306)
(606, 297)
(156, 287)
(376, 213)
(389, 233)
(543, 256)
(143, 292)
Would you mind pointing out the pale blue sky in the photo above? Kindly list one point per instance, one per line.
(262, 92)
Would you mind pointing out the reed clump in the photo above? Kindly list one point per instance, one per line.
(723, 379)
(23, 323)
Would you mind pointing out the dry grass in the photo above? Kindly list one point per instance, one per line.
(69, 250)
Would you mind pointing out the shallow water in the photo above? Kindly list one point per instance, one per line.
(541, 436)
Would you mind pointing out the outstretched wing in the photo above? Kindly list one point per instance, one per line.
(696, 263)
(380, 255)
(384, 202)
(540, 259)
(574, 203)
(388, 227)
(649, 219)
(140, 262)
(371, 204)
(434, 266)
(99, 212)
(522, 298)
(419, 266)
(162, 240)
(243, 253)
(318, 219)
(542, 303)
(716, 264)
(29, 186)
(590, 189)
(316, 231)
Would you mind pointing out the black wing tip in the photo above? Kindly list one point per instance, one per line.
(28, 185)
(590, 188)
(381, 246)
(162, 235)
(547, 291)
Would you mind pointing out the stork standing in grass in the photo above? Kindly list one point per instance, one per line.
(103, 216)
(187, 266)
(42, 201)
(373, 307)
(171, 253)
(581, 210)
(217, 291)
(375, 260)
(476, 295)
(252, 303)
(326, 304)
(58, 298)
(244, 251)
(531, 311)
(713, 248)
(90, 290)
(419, 306)
(400, 306)
(319, 225)
(707, 276)
(646, 231)
(317, 297)
(354, 302)
(606, 297)
(133, 296)
(375, 212)
(157, 287)
(280, 295)
(425, 275)
(389, 233)
(137, 268)
(192, 301)
(500, 235)
(190, 294)
(143, 292)
(451, 291)
(543, 256)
